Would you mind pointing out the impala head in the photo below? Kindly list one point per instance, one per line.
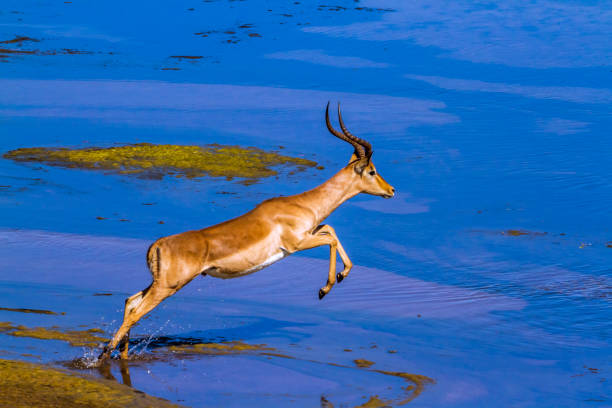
(369, 181)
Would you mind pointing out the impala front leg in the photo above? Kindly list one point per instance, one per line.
(325, 235)
(348, 265)
(331, 278)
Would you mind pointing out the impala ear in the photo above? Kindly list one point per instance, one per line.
(360, 165)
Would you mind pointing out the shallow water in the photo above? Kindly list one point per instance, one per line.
(488, 119)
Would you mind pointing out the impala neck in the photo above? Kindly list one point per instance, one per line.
(324, 199)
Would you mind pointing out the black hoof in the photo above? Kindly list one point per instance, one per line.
(339, 277)
(105, 355)
(321, 294)
(102, 360)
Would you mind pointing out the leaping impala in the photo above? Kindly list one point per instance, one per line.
(274, 229)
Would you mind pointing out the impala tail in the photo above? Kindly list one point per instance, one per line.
(154, 259)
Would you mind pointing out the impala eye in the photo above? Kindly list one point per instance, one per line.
(372, 173)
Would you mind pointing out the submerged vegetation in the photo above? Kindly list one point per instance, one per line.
(363, 363)
(77, 338)
(33, 385)
(518, 233)
(21, 310)
(416, 385)
(231, 347)
(156, 161)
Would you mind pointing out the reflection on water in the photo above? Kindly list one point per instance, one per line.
(490, 271)
(175, 348)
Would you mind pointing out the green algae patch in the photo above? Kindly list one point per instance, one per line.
(231, 347)
(156, 161)
(33, 385)
(77, 338)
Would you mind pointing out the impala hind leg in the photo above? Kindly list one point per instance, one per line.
(136, 307)
(331, 278)
(124, 345)
(130, 304)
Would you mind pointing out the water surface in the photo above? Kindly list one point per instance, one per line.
(489, 272)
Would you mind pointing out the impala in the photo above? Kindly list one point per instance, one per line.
(274, 229)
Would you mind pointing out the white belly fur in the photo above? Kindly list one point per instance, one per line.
(225, 274)
(269, 261)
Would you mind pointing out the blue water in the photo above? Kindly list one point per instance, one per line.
(485, 117)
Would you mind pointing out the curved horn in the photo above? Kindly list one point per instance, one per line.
(359, 149)
(366, 145)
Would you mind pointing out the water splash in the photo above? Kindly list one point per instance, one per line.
(141, 347)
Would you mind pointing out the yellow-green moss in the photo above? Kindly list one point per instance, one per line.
(156, 161)
(33, 385)
(77, 338)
